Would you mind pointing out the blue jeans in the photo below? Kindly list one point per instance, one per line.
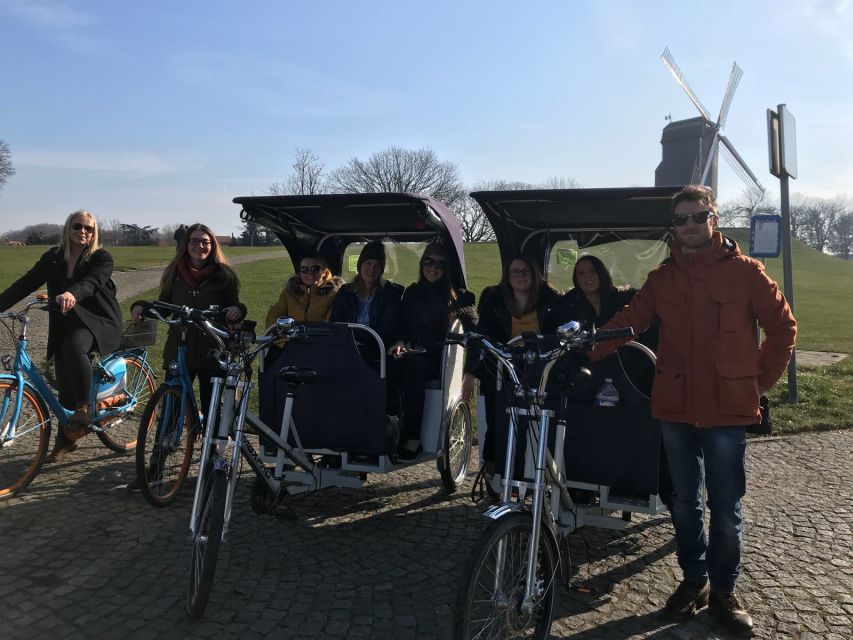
(720, 453)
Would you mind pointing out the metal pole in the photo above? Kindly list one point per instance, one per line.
(788, 284)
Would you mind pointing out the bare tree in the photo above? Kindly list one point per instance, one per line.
(7, 170)
(841, 241)
(561, 182)
(475, 225)
(306, 179)
(400, 170)
(816, 220)
(750, 202)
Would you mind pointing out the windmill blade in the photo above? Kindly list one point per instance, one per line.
(669, 63)
(734, 80)
(739, 165)
(712, 154)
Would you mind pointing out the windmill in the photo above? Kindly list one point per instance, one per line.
(691, 148)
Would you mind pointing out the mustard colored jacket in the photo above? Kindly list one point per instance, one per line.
(306, 304)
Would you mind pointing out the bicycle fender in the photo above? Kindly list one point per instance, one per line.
(5, 377)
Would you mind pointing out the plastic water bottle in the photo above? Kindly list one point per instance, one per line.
(607, 396)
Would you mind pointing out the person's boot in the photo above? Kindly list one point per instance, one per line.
(61, 447)
(726, 610)
(687, 600)
(80, 417)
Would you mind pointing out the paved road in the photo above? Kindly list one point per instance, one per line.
(82, 558)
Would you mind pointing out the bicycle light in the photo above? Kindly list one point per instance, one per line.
(173, 368)
(7, 361)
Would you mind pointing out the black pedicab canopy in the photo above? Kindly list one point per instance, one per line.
(533, 221)
(327, 223)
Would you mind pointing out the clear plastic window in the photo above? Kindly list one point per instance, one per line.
(401, 261)
(628, 261)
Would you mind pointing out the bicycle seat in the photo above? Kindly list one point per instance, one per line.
(297, 375)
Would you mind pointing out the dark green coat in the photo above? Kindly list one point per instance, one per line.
(220, 288)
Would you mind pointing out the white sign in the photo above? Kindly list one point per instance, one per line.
(765, 235)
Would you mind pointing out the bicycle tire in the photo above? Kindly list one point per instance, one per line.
(456, 449)
(21, 457)
(206, 542)
(164, 448)
(120, 432)
(481, 613)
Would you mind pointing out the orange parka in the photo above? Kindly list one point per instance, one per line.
(710, 366)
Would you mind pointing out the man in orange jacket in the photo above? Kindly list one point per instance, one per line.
(709, 377)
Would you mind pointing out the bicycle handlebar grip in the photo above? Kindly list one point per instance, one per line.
(614, 334)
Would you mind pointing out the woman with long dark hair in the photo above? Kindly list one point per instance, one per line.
(522, 301)
(87, 317)
(428, 309)
(199, 276)
(594, 298)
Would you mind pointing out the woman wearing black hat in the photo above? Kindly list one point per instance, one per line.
(428, 308)
(369, 299)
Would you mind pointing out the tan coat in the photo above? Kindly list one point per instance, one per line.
(306, 304)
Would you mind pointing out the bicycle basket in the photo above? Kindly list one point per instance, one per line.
(142, 334)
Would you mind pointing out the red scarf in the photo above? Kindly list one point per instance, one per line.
(192, 276)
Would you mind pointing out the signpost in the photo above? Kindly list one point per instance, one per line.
(782, 146)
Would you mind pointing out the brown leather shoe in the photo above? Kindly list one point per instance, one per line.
(726, 610)
(80, 417)
(687, 599)
(61, 447)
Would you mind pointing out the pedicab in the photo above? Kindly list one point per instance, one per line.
(564, 461)
(346, 418)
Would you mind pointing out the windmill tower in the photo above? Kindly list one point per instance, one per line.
(691, 148)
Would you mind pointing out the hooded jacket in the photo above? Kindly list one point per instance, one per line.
(306, 304)
(710, 367)
(92, 286)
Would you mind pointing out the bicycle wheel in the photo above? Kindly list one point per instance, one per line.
(164, 448)
(120, 431)
(456, 454)
(206, 541)
(21, 456)
(486, 612)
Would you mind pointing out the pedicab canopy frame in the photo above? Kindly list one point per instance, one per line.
(327, 223)
(531, 222)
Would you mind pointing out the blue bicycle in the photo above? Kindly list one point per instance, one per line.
(122, 384)
(172, 422)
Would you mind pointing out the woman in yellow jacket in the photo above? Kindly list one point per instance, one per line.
(308, 295)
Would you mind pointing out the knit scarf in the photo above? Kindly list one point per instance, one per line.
(192, 276)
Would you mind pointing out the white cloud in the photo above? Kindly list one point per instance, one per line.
(118, 161)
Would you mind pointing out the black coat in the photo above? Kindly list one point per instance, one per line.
(496, 321)
(579, 308)
(91, 285)
(425, 318)
(384, 310)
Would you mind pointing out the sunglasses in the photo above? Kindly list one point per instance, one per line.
(699, 217)
(77, 226)
(313, 268)
(197, 242)
(429, 263)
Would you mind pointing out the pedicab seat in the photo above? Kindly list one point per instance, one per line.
(344, 409)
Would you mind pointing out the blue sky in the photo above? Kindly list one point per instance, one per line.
(161, 112)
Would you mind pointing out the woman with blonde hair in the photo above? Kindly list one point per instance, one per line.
(309, 294)
(87, 316)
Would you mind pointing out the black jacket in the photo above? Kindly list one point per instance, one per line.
(578, 307)
(91, 285)
(384, 310)
(496, 321)
(425, 318)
